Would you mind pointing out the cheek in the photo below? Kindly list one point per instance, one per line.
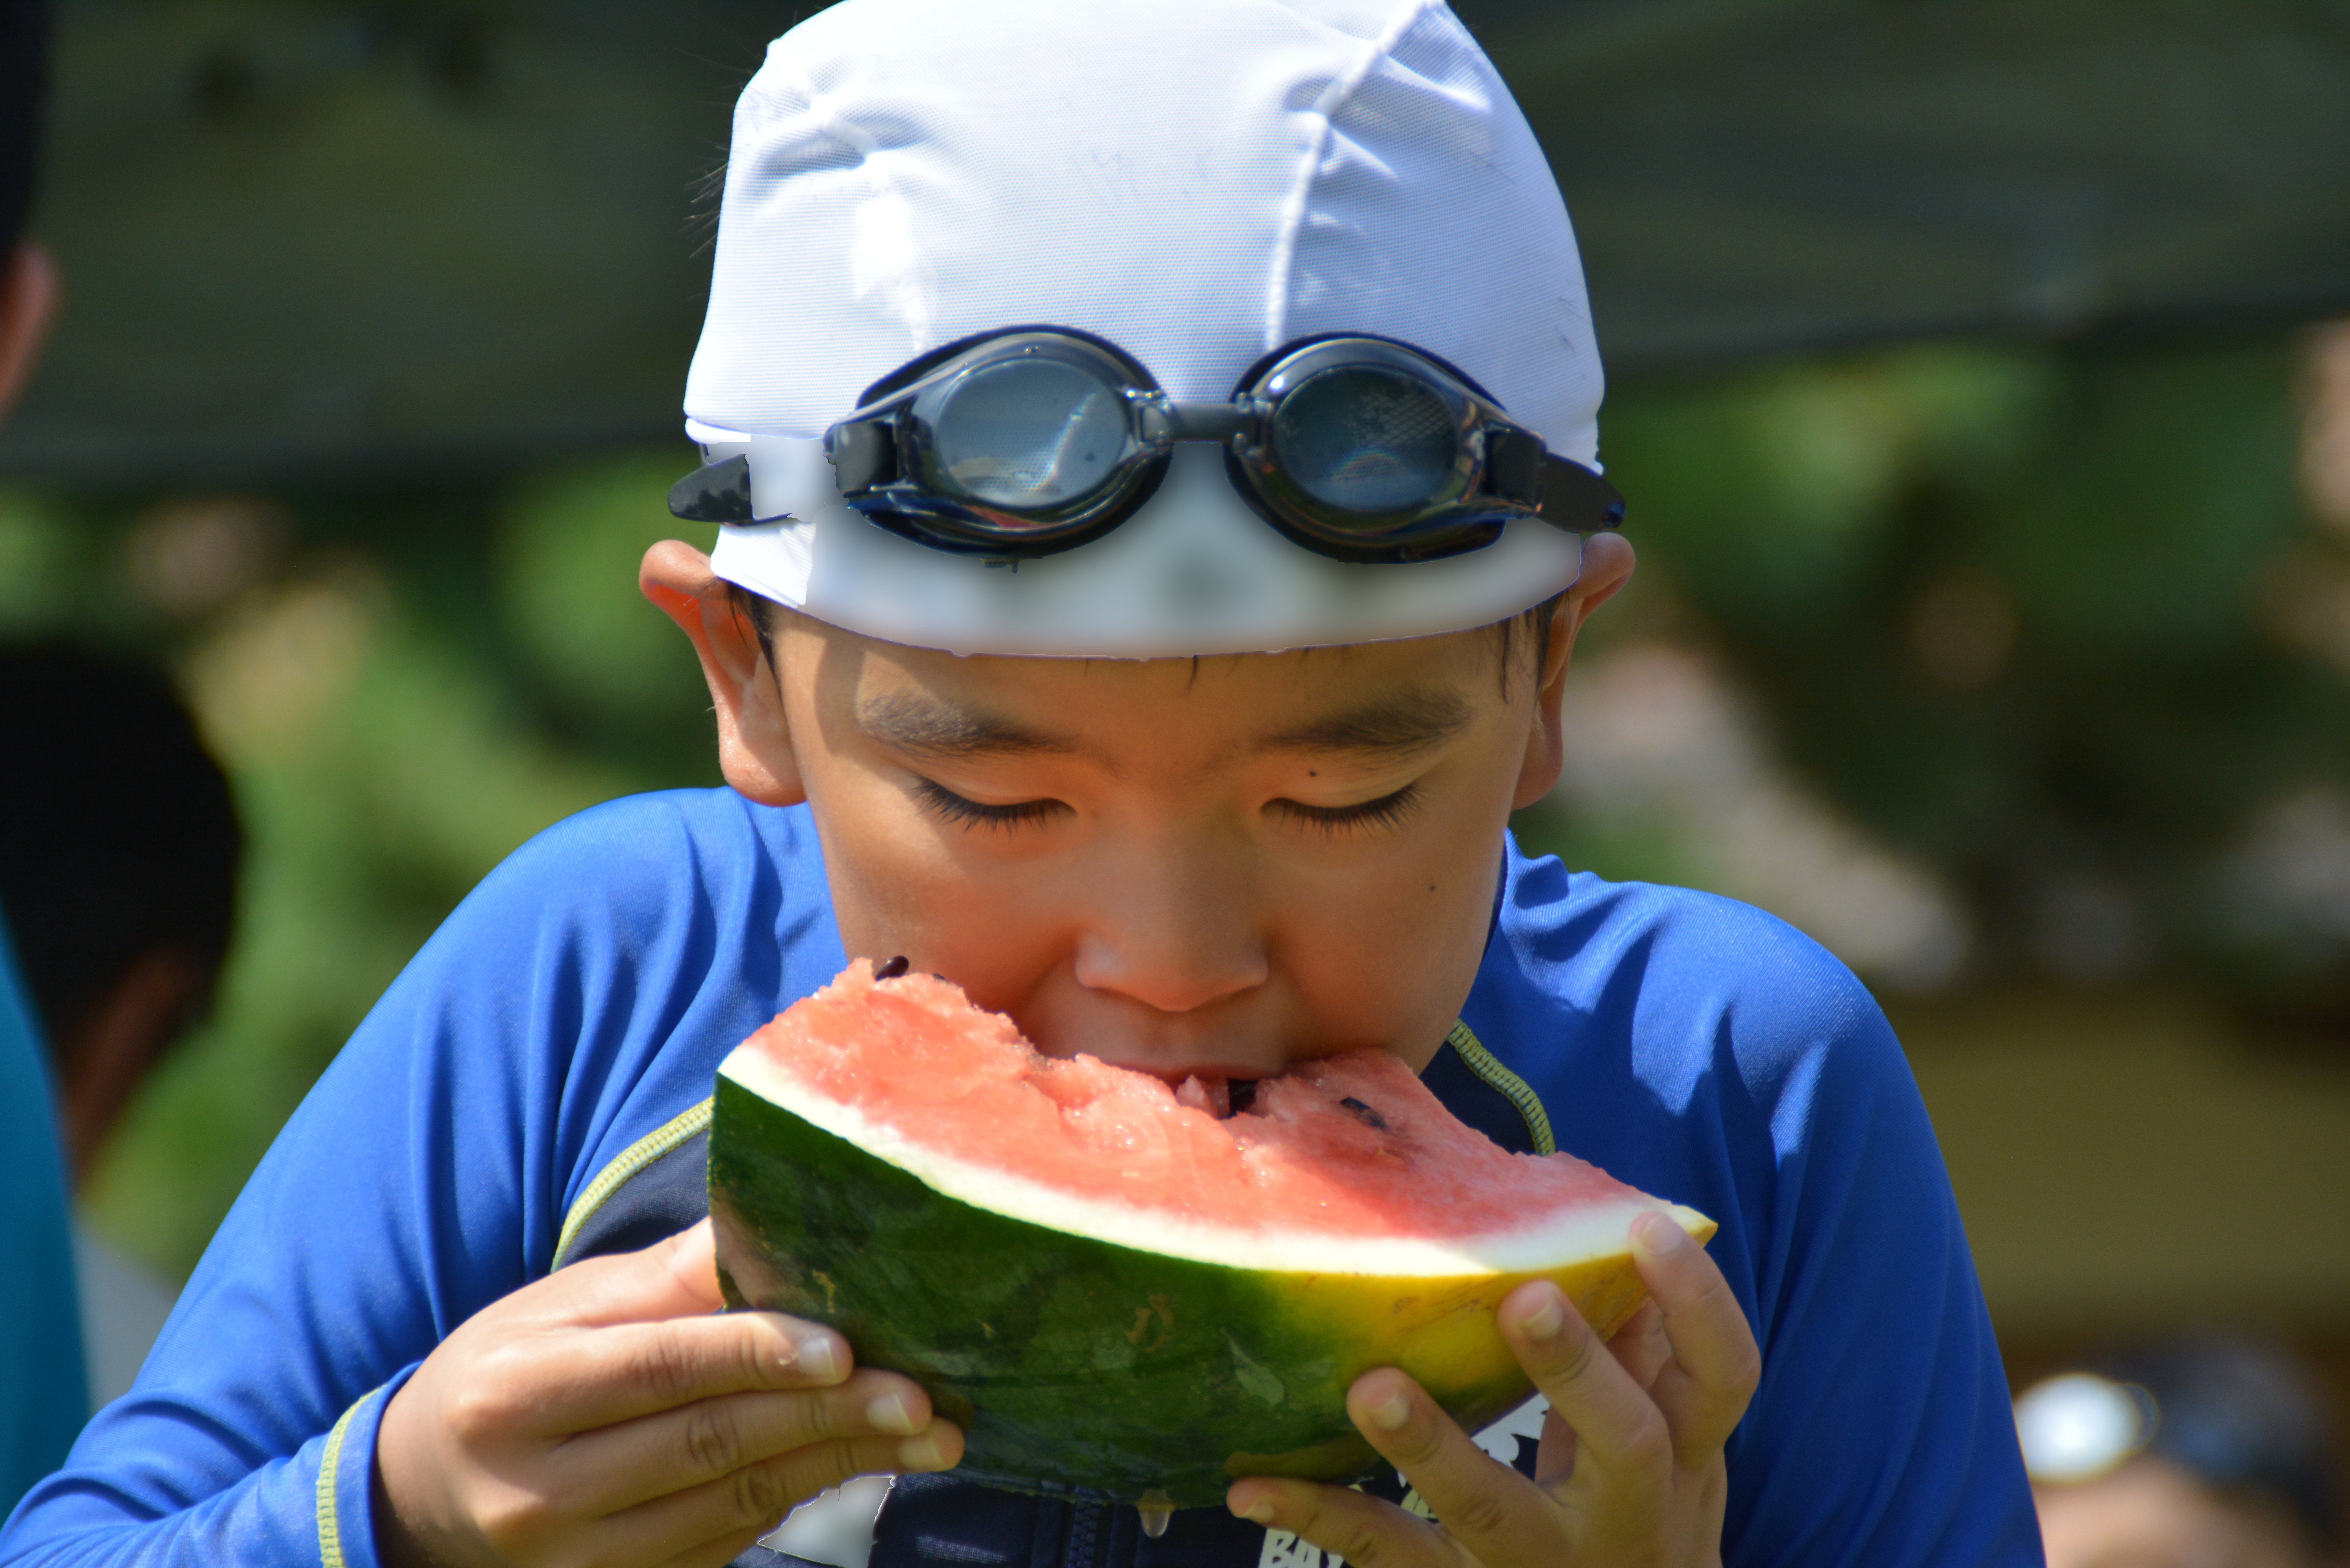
(1370, 942)
(1384, 948)
(902, 885)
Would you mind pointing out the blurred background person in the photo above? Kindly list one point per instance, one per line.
(120, 846)
(2201, 1451)
(119, 852)
(43, 1395)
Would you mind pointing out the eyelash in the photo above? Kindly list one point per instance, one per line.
(1388, 811)
(944, 803)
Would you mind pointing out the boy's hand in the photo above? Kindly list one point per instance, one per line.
(606, 1415)
(1630, 1467)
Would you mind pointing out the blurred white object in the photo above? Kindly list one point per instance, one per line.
(1656, 735)
(2326, 425)
(2079, 1426)
(834, 1527)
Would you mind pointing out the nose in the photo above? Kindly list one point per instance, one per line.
(1177, 930)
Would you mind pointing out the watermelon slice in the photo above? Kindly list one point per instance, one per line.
(1120, 1288)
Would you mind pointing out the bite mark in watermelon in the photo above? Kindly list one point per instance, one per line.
(1115, 1286)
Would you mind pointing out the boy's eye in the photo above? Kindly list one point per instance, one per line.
(943, 803)
(1387, 811)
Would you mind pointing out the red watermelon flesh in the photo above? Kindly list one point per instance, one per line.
(1347, 1164)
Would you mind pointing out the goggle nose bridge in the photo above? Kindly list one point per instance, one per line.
(1240, 419)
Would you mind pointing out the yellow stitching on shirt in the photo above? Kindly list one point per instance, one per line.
(1514, 1089)
(331, 1535)
(676, 1130)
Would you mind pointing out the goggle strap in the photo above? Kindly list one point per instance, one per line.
(1575, 499)
(714, 492)
(1513, 466)
(863, 454)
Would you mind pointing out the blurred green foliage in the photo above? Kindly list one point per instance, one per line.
(2056, 623)
(380, 232)
(404, 686)
(2040, 619)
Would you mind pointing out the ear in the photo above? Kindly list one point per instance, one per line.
(28, 299)
(119, 1040)
(755, 739)
(1607, 562)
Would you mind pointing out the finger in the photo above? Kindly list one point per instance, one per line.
(1617, 1427)
(693, 1257)
(1364, 1531)
(1704, 1389)
(1555, 1455)
(596, 1377)
(669, 1451)
(754, 1499)
(1495, 1514)
(1640, 1347)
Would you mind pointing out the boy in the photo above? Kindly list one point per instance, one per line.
(1029, 441)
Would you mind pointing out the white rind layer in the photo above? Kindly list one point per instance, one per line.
(1588, 1232)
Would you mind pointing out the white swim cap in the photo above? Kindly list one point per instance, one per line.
(1198, 183)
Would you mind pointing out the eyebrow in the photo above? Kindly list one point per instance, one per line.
(1397, 725)
(927, 727)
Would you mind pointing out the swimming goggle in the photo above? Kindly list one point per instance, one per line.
(1028, 440)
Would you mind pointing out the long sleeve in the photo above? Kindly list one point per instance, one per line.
(582, 995)
(1708, 1052)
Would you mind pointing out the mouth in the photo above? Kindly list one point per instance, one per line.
(1221, 1096)
(1173, 1076)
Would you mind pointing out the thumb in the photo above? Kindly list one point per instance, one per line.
(692, 1256)
(673, 1278)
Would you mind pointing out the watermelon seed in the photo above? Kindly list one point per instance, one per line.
(893, 969)
(1243, 1093)
(1370, 1117)
(1158, 1510)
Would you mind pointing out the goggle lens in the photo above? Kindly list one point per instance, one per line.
(1029, 433)
(1365, 439)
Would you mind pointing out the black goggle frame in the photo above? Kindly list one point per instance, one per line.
(887, 461)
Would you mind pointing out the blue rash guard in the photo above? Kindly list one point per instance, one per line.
(570, 1016)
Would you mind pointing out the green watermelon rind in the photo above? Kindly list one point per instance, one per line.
(1049, 1348)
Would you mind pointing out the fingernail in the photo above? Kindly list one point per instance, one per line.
(1390, 1413)
(1655, 1234)
(1258, 1512)
(818, 1357)
(922, 1453)
(890, 1413)
(1545, 1321)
